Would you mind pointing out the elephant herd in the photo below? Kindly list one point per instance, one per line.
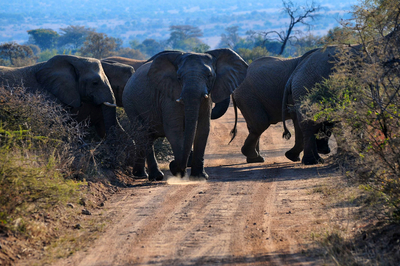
(171, 95)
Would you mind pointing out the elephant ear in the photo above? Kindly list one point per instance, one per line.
(59, 77)
(162, 74)
(230, 71)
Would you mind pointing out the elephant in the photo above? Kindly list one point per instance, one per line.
(172, 96)
(218, 110)
(118, 75)
(259, 98)
(74, 82)
(135, 63)
(313, 69)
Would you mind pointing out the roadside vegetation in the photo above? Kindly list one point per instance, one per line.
(362, 98)
(53, 173)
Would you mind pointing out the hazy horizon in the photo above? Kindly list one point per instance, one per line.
(132, 19)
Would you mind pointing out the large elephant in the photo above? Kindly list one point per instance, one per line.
(313, 69)
(172, 96)
(259, 99)
(75, 82)
(218, 110)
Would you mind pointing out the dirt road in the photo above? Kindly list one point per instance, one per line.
(245, 214)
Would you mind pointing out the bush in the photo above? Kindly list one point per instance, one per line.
(38, 140)
(363, 95)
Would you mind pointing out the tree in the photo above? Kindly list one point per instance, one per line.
(13, 54)
(231, 39)
(98, 45)
(152, 47)
(201, 48)
(44, 38)
(297, 14)
(130, 53)
(184, 37)
(74, 36)
(249, 55)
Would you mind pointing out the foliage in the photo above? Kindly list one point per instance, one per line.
(13, 54)
(37, 140)
(231, 39)
(149, 47)
(185, 37)
(73, 36)
(98, 45)
(363, 95)
(129, 53)
(46, 55)
(44, 38)
(251, 55)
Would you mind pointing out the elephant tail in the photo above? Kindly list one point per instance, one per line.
(234, 130)
(286, 134)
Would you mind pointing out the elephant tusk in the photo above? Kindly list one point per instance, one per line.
(179, 100)
(109, 104)
(206, 96)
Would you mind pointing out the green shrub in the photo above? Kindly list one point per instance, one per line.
(363, 96)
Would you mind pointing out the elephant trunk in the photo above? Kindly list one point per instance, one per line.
(110, 117)
(191, 118)
(220, 108)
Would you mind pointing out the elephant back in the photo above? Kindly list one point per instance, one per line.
(20, 77)
(314, 68)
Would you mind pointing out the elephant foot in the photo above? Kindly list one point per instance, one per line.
(257, 159)
(294, 157)
(324, 151)
(173, 167)
(156, 175)
(323, 146)
(312, 160)
(198, 174)
(189, 164)
(141, 173)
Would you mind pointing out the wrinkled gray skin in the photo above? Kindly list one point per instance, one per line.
(259, 99)
(71, 80)
(172, 96)
(218, 110)
(313, 69)
(118, 75)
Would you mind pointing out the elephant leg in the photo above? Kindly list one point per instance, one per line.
(155, 174)
(257, 122)
(139, 169)
(323, 146)
(251, 148)
(310, 145)
(294, 153)
(175, 139)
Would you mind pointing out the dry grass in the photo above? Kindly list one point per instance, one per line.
(47, 163)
